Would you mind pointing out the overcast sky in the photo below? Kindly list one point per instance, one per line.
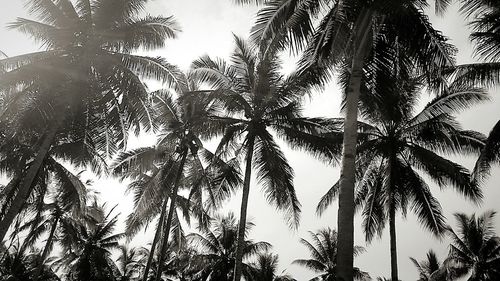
(207, 29)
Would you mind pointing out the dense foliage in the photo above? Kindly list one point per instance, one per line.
(73, 105)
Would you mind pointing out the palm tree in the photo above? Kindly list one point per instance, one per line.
(67, 199)
(181, 263)
(475, 247)
(47, 221)
(324, 256)
(483, 15)
(67, 193)
(67, 188)
(179, 159)
(218, 250)
(130, 262)
(428, 266)
(17, 265)
(431, 269)
(264, 269)
(260, 100)
(85, 85)
(186, 209)
(344, 38)
(86, 246)
(395, 142)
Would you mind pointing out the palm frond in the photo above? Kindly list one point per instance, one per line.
(277, 177)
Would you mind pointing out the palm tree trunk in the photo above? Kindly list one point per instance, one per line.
(27, 182)
(345, 222)
(392, 233)
(243, 212)
(155, 240)
(392, 219)
(46, 250)
(171, 211)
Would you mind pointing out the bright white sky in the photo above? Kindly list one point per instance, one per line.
(207, 29)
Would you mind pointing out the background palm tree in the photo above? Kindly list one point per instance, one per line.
(343, 37)
(483, 16)
(259, 100)
(396, 140)
(130, 262)
(217, 258)
(475, 247)
(265, 269)
(323, 250)
(47, 221)
(86, 246)
(428, 266)
(181, 263)
(179, 159)
(431, 269)
(85, 83)
(18, 265)
(53, 179)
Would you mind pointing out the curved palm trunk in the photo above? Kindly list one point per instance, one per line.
(155, 240)
(345, 222)
(46, 250)
(171, 211)
(243, 212)
(26, 184)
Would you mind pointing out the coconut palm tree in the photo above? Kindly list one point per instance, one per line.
(266, 267)
(178, 160)
(86, 246)
(483, 16)
(431, 269)
(261, 101)
(67, 193)
(343, 38)
(428, 266)
(396, 141)
(475, 247)
(218, 249)
(17, 265)
(185, 209)
(324, 256)
(85, 84)
(130, 262)
(45, 221)
(181, 263)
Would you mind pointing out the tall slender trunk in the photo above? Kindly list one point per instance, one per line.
(345, 221)
(155, 240)
(27, 182)
(173, 199)
(46, 249)
(392, 233)
(392, 218)
(243, 212)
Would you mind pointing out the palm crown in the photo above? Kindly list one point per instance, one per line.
(88, 49)
(259, 99)
(323, 250)
(219, 245)
(85, 81)
(87, 245)
(475, 247)
(265, 269)
(395, 138)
